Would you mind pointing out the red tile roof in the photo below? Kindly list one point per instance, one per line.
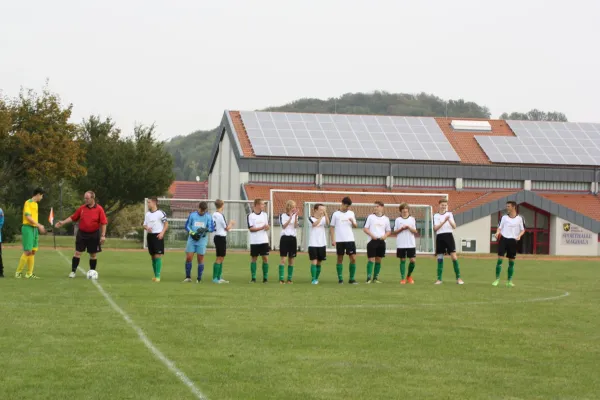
(242, 135)
(189, 190)
(464, 143)
(586, 204)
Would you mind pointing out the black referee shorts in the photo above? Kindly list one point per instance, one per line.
(155, 245)
(508, 247)
(88, 241)
(444, 243)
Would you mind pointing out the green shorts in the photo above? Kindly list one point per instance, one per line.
(29, 237)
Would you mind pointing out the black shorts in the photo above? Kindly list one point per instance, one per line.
(220, 246)
(88, 241)
(406, 253)
(444, 243)
(155, 245)
(317, 253)
(508, 247)
(345, 247)
(259, 249)
(376, 248)
(288, 246)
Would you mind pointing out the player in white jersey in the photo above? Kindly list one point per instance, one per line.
(342, 238)
(378, 228)
(220, 240)
(156, 225)
(405, 229)
(510, 231)
(258, 225)
(443, 225)
(317, 241)
(288, 246)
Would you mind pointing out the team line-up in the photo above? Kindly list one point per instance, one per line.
(92, 234)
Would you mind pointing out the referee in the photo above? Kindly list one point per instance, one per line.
(92, 230)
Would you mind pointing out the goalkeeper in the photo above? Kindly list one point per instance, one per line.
(199, 224)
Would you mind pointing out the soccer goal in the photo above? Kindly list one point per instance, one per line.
(421, 208)
(178, 210)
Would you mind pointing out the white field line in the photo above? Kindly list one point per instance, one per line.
(144, 339)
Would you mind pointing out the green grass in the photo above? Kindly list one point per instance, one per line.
(69, 242)
(60, 339)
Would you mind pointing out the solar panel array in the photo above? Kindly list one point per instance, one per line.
(545, 143)
(346, 136)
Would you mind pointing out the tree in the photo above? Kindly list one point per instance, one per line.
(37, 143)
(535, 115)
(122, 171)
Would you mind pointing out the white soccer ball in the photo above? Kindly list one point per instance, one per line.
(92, 274)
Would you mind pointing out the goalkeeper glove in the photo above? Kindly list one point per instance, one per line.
(195, 235)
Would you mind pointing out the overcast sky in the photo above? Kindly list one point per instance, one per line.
(180, 63)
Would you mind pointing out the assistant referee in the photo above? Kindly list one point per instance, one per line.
(92, 231)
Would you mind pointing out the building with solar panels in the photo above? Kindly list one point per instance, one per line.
(551, 169)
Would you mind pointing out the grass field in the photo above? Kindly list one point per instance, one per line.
(61, 338)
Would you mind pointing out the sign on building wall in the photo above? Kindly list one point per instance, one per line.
(573, 235)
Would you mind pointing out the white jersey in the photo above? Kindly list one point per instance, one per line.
(291, 228)
(510, 228)
(378, 225)
(220, 224)
(317, 236)
(258, 221)
(405, 239)
(155, 220)
(342, 222)
(438, 218)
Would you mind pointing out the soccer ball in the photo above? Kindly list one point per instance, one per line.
(92, 274)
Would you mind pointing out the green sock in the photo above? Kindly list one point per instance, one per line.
(158, 267)
(313, 271)
(281, 272)
(220, 270)
(402, 269)
(511, 269)
(318, 271)
(215, 271)
(498, 268)
(352, 271)
(290, 272)
(440, 268)
(265, 270)
(377, 269)
(339, 268)
(369, 269)
(411, 268)
(456, 268)
(253, 270)
(154, 266)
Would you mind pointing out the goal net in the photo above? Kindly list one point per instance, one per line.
(178, 210)
(421, 208)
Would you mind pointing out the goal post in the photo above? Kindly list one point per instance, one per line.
(178, 210)
(362, 204)
(423, 214)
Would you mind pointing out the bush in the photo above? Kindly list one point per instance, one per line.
(12, 223)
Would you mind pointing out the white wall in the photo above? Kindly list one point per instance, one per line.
(479, 230)
(225, 179)
(576, 242)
